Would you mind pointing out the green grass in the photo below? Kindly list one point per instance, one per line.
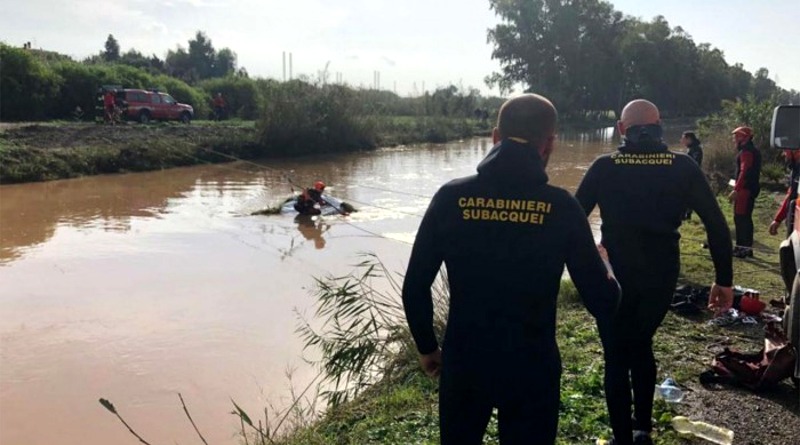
(24, 163)
(63, 149)
(402, 409)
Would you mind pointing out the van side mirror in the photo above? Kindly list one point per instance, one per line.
(785, 132)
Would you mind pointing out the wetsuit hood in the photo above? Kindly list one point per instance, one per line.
(512, 162)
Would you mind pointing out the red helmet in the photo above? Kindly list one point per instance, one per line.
(751, 306)
(745, 131)
(319, 185)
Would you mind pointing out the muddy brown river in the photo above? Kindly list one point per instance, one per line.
(137, 287)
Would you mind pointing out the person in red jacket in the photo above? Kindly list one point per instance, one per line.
(109, 104)
(745, 190)
(786, 211)
(219, 106)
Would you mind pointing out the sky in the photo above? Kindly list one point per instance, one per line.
(411, 43)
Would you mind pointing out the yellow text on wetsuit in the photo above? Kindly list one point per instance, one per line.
(504, 210)
(643, 158)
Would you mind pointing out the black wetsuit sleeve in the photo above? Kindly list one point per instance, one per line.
(599, 292)
(426, 259)
(588, 189)
(703, 201)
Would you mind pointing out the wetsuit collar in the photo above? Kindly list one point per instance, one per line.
(749, 144)
(644, 146)
(513, 161)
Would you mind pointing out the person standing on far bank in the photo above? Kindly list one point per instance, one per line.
(695, 151)
(643, 190)
(745, 190)
(504, 235)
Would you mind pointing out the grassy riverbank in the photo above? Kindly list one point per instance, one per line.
(402, 408)
(56, 150)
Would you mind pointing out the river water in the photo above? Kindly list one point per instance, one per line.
(137, 287)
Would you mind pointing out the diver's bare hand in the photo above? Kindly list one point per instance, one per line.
(432, 363)
(720, 299)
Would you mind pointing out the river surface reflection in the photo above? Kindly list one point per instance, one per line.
(137, 287)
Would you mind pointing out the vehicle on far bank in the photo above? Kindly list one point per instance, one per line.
(148, 105)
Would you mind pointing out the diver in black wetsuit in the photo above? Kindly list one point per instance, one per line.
(643, 190)
(505, 236)
(695, 151)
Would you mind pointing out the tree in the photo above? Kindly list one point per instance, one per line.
(224, 63)
(202, 55)
(111, 54)
(136, 59)
(179, 65)
(564, 49)
(763, 87)
(589, 58)
(201, 61)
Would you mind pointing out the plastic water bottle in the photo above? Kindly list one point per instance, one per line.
(669, 391)
(712, 433)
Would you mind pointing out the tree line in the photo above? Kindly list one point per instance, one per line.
(590, 58)
(199, 62)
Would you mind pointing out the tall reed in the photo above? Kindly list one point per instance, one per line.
(362, 333)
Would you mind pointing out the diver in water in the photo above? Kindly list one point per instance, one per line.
(309, 201)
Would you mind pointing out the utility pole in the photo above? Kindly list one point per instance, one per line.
(290, 66)
(284, 66)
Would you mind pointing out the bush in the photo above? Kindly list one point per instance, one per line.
(750, 112)
(300, 118)
(241, 94)
(127, 76)
(78, 88)
(28, 88)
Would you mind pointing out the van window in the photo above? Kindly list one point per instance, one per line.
(133, 96)
(156, 99)
(167, 99)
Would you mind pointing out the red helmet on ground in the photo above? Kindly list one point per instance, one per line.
(745, 131)
(752, 306)
(319, 185)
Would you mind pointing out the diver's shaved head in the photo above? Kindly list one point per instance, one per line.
(639, 112)
(530, 116)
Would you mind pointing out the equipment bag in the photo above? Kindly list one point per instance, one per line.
(756, 371)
